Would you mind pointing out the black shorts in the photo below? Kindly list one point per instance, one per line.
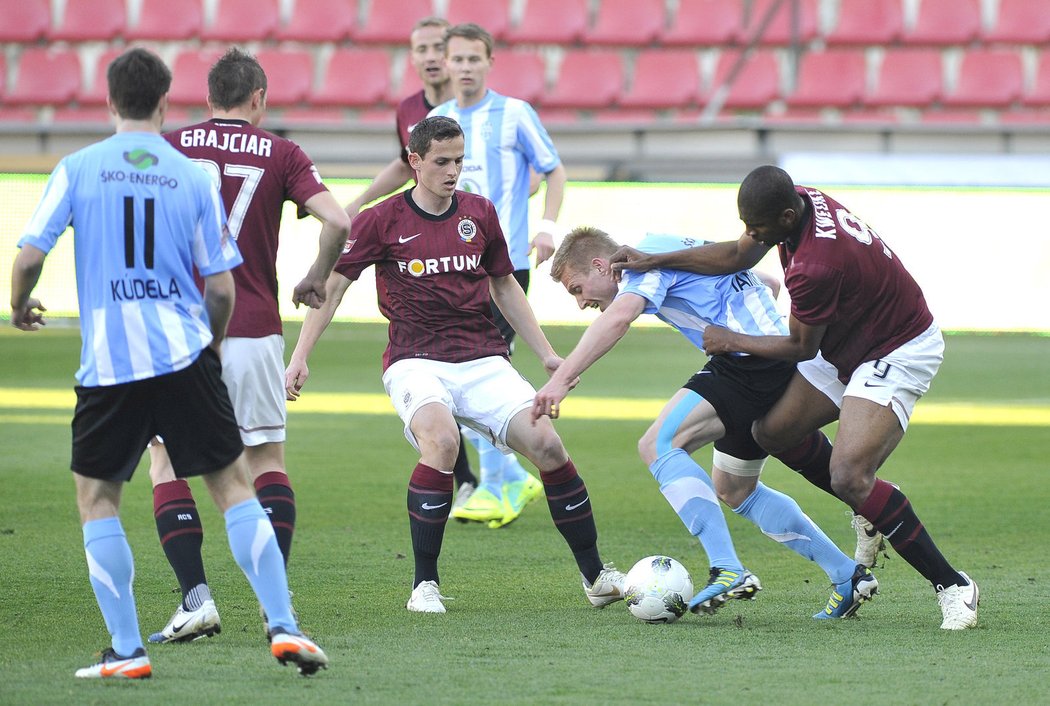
(741, 389)
(190, 408)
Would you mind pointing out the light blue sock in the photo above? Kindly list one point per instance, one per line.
(112, 571)
(782, 520)
(491, 461)
(692, 495)
(513, 471)
(255, 549)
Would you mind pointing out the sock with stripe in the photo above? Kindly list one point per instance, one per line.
(275, 494)
(181, 537)
(112, 570)
(570, 507)
(689, 490)
(890, 511)
(255, 550)
(429, 502)
(512, 470)
(812, 460)
(782, 520)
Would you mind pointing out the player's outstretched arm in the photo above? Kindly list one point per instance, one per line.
(597, 340)
(712, 259)
(314, 325)
(801, 343)
(389, 179)
(335, 229)
(219, 297)
(26, 311)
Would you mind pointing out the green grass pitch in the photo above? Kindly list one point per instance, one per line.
(519, 630)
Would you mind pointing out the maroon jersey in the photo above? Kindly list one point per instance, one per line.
(841, 275)
(409, 112)
(432, 275)
(257, 172)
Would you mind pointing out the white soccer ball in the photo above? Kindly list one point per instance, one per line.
(657, 589)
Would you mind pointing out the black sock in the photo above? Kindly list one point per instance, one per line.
(429, 502)
(462, 470)
(812, 460)
(890, 511)
(570, 507)
(278, 500)
(181, 533)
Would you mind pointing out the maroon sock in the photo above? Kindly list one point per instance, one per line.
(278, 500)
(570, 507)
(429, 502)
(180, 531)
(812, 460)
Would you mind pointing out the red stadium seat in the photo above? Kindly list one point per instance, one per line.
(550, 22)
(95, 94)
(169, 20)
(756, 85)
(289, 75)
(664, 78)
(908, 77)
(189, 77)
(1039, 94)
(354, 77)
(627, 22)
(868, 22)
(391, 22)
(493, 15)
(519, 74)
(990, 78)
(587, 79)
(834, 78)
(45, 77)
(705, 23)
(780, 30)
(942, 22)
(320, 21)
(1020, 22)
(85, 20)
(24, 20)
(243, 21)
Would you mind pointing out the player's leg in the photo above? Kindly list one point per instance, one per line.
(181, 536)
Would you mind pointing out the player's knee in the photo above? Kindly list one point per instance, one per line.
(770, 438)
(546, 449)
(850, 483)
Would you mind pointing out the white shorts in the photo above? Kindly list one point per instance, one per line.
(897, 379)
(253, 370)
(482, 394)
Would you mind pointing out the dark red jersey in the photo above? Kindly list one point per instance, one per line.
(842, 275)
(257, 172)
(409, 112)
(432, 275)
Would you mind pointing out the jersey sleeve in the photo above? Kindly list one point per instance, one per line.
(651, 286)
(214, 250)
(363, 248)
(496, 259)
(53, 214)
(815, 290)
(302, 179)
(535, 142)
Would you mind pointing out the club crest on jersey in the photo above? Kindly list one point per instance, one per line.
(467, 230)
(349, 244)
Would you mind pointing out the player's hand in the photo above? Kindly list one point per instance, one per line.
(310, 292)
(548, 400)
(295, 376)
(29, 317)
(717, 340)
(543, 244)
(627, 258)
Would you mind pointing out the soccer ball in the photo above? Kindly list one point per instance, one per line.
(657, 589)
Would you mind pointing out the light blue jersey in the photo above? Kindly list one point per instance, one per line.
(143, 216)
(504, 137)
(739, 302)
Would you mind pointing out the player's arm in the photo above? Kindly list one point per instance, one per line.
(314, 325)
(543, 242)
(770, 281)
(711, 259)
(510, 299)
(25, 310)
(801, 343)
(219, 296)
(597, 340)
(390, 178)
(335, 229)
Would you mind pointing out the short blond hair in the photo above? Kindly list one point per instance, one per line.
(578, 248)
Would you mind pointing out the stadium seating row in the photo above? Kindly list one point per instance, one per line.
(637, 23)
(586, 79)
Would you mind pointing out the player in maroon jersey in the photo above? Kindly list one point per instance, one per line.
(256, 172)
(867, 347)
(438, 254)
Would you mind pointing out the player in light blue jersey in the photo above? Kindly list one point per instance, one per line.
(144, 217)
(504, 139)
(718, 404)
